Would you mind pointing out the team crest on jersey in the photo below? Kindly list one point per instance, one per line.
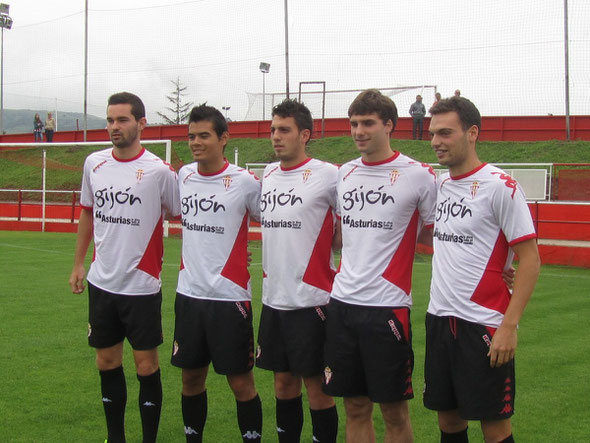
(393, 176)
(227, 182)
(474, 188)
(175, 348)
(327, 374)
(139, 175)
(306, 175)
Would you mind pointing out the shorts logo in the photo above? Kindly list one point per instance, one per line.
(306, 175)
(327, 374)
(486, 338)
(320, 313)
(474, 188)
(175, 348)
(258, 352)
(226, 182)
(89, 329)
(139, 175)
(393, 176)
(241, 309)
(395, 330)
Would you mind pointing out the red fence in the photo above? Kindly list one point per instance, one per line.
(531, 128)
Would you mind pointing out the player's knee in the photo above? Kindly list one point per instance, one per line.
(242, 386)
(287, 386)
(193, 381)
(358, 408)
(395, 415)
(450, 422)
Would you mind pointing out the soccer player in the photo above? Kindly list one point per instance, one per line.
(297, 206)
(213, 300)
(126, 191)
(385, 199)
(482, 219)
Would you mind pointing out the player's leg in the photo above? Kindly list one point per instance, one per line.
(142, 317)
(289, 406)
(324, 416)
(398, 427)
(194, 403)
(248, 405)
(497, 431)
(359, 420)
(113, 388)
(106, 335)
(453, 428)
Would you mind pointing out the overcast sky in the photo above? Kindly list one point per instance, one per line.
(505, 55)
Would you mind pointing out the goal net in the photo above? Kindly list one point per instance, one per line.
(336, 102)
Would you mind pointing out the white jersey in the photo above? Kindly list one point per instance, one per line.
(383, 206)
(479, 215)
(129, 199)
(297, 220)
(215, 211)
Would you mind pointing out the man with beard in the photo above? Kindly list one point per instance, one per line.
(126, 192)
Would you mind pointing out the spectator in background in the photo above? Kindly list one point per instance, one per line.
(38, 128)
(417, 111)
(437, 98)
(457, 93)
(49, 127)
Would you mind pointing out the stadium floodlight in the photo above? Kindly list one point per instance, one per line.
(265, 69)
(5, 22)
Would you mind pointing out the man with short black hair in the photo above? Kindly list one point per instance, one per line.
(385, 199)
(418, 112)
(126, 191)
(217, 201)
(482, 220)
(297, 206)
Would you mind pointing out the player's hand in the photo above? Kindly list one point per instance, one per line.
(77, 279)
(508, 276)
(503, 346)
(249, 256)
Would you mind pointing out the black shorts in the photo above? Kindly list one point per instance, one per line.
(292, 341)
(458, 375)
(112, 317)
(368, 352)
(215, 331)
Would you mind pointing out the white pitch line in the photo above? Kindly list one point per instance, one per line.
(34, 249)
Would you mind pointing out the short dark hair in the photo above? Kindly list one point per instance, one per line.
(468, 114)
(127, 98)
(210, 114)
(372, 100)
(297, 110)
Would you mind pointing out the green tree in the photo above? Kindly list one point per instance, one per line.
(179, 109)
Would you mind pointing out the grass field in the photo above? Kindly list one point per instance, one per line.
(49, 391)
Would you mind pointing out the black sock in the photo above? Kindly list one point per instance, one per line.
(455, 437)
(114, 398)
(250, 419)
(508, 439)
(150, 404)
(289, 419)
(324, 423)
(194, 415)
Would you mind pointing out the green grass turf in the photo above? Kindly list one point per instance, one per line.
(49, 390)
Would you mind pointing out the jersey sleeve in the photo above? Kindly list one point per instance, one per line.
(169, 192)
(252, 189)
(512, 212)
(427, 198)
(86, 196)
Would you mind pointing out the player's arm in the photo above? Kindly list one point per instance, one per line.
(504, 341)
(425, 236)
(337, 237)
(82, 242)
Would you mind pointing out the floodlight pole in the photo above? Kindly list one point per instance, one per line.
(567, 73)
(85, 69)
(287, 48)
(5, 22)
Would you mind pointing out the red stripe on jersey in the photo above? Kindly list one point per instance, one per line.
(399, 270)
(403, 316)
(151, 262)
(318, 272)
(491, 291)
(236, 268)
(181, 263)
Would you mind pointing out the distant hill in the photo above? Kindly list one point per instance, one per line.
(20, 121)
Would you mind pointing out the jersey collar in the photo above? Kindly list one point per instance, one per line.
(382, 162)
(124, 160)
(225, 166)
(307, 160)
(467, 174)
